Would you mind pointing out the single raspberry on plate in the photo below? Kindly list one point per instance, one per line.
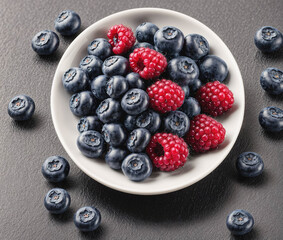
(215, 98)
(205, 133)
(147, 62)
(167, 151)
(121, 38)
(165, 96)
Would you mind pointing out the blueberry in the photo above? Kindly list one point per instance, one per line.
(195, 46)
(130, 122)
(177, 123)
(75, 80)
(89, 123)
(145, 32)
(83, 103)
(135, 101)
(135, 81)
(240, 222)
(68, 23)
(116, 86)
(87, 219)
(55, 169)
(191, 107)
(114, 134)
(186, 90)
(115, 65)
(150, 120)
(249, 164)
(45, 42)
(268, 39)
(92, 66)
(212, 68)
(137, 167)
(98, 87)
(271, 119)
(100, 47)
(195, 85)
(91, 144)
(183, 70)
(138, 140)
(115, 156)
(271, 80)
(109, 110)
(21, 108)
(141, 45)
(169, 40)
(57, 201)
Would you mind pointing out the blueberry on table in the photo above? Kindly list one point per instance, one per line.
(240, 222)
(91, 144)
(89, 123)
(177, 123)
(68, 23)
(109, 110)
(115, 65)
(45, 42)
(55, 169)
(191, 107)
(268, 39)
(92, 66)
(83, 104)
(195, 46)
(271, 119)
(87, 219)
(137, 167)
(249, 164)
(135, 81)
(115, 156)
(21, 108)
(114, 134)
(100, 47)
(145, 32)
(138, 140)
(195, 85)
(271, 80)
(75, 80)
(57, 201)
(116, 86)
(149, 120)
(98, 87)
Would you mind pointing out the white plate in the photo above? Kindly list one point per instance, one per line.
(197, 167)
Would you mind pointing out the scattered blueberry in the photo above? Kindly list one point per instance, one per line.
(145, 32)
(191, 107)
(91, 65)
(271, 80)
(186, 90)
(115, 156)
(98, 87)
(89, 123)
(240, 222)
(115, 65)
(195, 85)
(138, 140)
(135, 81)
(75, 80)
(116, 86)
(150, 120)
(68, 23)
(109, 110)
(45, 42)
(57, 201)
(196, 46)
(21, 108)
(249, 164)
(100, 47)
(130, 122)
(114, 134)
(177, 123)
(83, 103)
(87, 219)
(271, 119)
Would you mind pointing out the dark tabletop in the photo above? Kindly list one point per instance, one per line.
(197, 212)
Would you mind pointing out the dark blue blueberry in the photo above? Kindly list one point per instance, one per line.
(130, 122)
(150, 120)
(191, 107)
(68, 23)
(92, 66)
(271, 119)
(138, 140)
(114, 134)
(195, 46)
(21, 108)
(115, 65)
(268, 39)
(100, 47)
(186, 90)
(271, 80)
(91, 144)
(145, 32)
(115, 156)
(109, 110)
(87, 219)
(141, 45)
(183, 70)
(116, 86)
(55, 169)
(169, 40)
(57, 201)
(89, 123)
(195, 85)
(75, 80)
(83, 103)
(249, 164)
(135, 81)
(240, 222)
(137, 167)
(177, 123)
(45, 42)
(135, 101)
(212, 68)
(98, 87)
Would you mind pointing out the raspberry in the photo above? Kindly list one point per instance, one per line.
(215, 98)
(168, 152)
(205, 133)
(121, 38)
(165, 96)
(147, 62)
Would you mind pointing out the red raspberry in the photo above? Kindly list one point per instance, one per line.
(205, 133)
(167, 151)
(215, 98)
(165, 96)
(121, 38)
(147, 62)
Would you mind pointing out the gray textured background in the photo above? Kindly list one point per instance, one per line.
(197, 212)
